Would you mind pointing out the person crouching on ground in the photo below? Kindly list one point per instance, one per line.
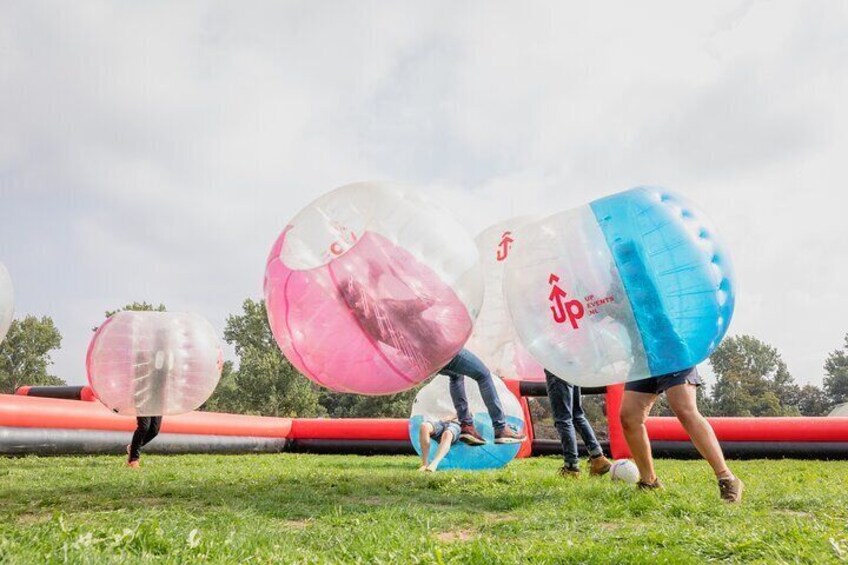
(568, 414)
(680, 390)
(446, 432)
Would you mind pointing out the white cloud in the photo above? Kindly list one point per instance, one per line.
(154, 151)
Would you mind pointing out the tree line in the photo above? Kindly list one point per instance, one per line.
(751, 377)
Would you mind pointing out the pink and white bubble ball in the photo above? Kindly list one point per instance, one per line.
(154, 363)
(371, 289)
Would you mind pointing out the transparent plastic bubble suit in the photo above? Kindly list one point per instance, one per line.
(434, 402)
(633, 285)
(371, 289)
(154, 363)
(7, 302)
(494, 339)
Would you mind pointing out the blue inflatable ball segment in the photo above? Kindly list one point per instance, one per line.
(675, 270)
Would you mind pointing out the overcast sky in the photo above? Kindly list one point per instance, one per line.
(154, 150)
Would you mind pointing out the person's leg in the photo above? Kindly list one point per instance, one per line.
(424, 431)
(635, 407)
(468, 364)
(141, 430)
(460, 398)
(560, 395)
(153, 431)
(598, 464)
(444, 446)
(582, 425)
(682, 400)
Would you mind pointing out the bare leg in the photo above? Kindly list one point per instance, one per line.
(682, 399)
(444, 447)
(635, 407)
(424, 432)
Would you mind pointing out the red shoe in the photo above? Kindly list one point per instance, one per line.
(134, 464)
(470, 436)
(509, 435)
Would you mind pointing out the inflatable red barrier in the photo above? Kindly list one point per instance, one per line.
(526, 449)
(802, 429)
(618, 445)
(350, 428)
(65, 392)
(34, 412)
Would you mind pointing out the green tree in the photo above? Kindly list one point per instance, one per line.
(138, 307)
(811, 400)
(265, 382)
(836, 374)
(135, 307)
(341, 405)
(751, 379)
(25, 353)
(225, 398)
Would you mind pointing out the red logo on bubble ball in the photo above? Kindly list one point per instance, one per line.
(504, 245)
(573, 310)
(346, 239)
(563, 310)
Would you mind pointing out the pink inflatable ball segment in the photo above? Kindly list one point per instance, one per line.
(7, 302)
(154, 363)
(494, 339)
(371, 289)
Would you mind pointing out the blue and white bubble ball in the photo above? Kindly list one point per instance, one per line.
(434, 402)
(631, 286)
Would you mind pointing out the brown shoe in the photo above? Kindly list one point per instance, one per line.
(509, 435)
(571, 472)
(731, 489)
(469, 435)
(599, 465)
(649, 486)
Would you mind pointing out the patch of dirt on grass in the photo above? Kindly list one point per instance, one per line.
(296, 524)
(369, 500)
(455, 535)
(493, 518)
(30, 519)
(794, 513)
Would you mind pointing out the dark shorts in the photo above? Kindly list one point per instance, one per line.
(658, 385)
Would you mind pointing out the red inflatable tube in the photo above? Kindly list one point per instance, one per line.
(526, 449)
(65, 392)
(350, 428)
(32, 412)
(806, 429)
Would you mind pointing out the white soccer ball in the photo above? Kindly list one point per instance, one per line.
(625, 470)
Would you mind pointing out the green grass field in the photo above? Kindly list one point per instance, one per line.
(317, 509)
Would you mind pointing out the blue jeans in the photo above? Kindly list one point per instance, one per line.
(568, 414)
(466, 364)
